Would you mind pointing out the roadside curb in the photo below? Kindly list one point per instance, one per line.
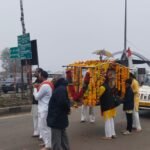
(15, 109)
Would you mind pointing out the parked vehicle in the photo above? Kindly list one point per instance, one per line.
(145, 93)
(11, 85)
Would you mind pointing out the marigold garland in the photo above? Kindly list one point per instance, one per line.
(86, 89)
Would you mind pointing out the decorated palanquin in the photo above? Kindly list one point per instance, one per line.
(86, 77)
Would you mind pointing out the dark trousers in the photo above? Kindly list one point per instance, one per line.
(59, 139)
(129, 121)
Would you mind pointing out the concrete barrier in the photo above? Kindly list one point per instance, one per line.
(15, 109)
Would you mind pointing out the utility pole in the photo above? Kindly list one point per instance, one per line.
(22, 17)
(27, 63)
(23, 32)
(125, 27)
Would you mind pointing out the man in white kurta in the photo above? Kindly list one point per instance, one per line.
(43, 96)
(36, 83)
(87, 112)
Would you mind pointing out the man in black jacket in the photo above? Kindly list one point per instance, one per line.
(57, 119)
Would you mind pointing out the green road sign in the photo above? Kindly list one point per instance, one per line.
(26, 55)
(24, 45)
(14, 52)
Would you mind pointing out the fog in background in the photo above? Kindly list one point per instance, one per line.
(70, 30)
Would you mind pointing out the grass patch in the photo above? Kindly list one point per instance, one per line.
(8, 100)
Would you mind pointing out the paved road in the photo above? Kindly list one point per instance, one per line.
(15, 133)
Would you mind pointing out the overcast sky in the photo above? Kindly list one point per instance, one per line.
(70, 30)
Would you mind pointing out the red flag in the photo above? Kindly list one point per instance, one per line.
(128, 52)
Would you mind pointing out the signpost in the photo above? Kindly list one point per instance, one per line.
(23, 51)
(24, 46)
(14, 53)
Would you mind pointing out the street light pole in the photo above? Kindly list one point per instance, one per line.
(123, 56)
(125, 27)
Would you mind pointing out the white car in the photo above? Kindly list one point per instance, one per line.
(145, 97)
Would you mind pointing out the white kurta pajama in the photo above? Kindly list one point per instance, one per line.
(43, 96)
(136, 119)
(35, 119)
(87, 111)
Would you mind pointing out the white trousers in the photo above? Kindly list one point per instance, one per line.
(35, 119)
(109, 128)
(45, 131)
(87, 113)
(136, 120)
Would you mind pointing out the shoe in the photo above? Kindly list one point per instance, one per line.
(106, 138)
(82, 121)
(92, 121)
(44, 148)
(126, 133)
(40, 139)
(138, 130)
(134, 128)
(34, 136)
(123, 131)
(42, 145)
(114, 137)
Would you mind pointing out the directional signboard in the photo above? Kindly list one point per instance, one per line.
(24, 46)
(14, 52)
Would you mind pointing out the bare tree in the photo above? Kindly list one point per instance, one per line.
(9, 65)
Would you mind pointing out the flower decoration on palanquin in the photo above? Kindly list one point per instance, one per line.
(76, 96)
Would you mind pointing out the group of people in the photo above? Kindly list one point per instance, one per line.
(109, 100)
(130, 101)
(50, 109)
